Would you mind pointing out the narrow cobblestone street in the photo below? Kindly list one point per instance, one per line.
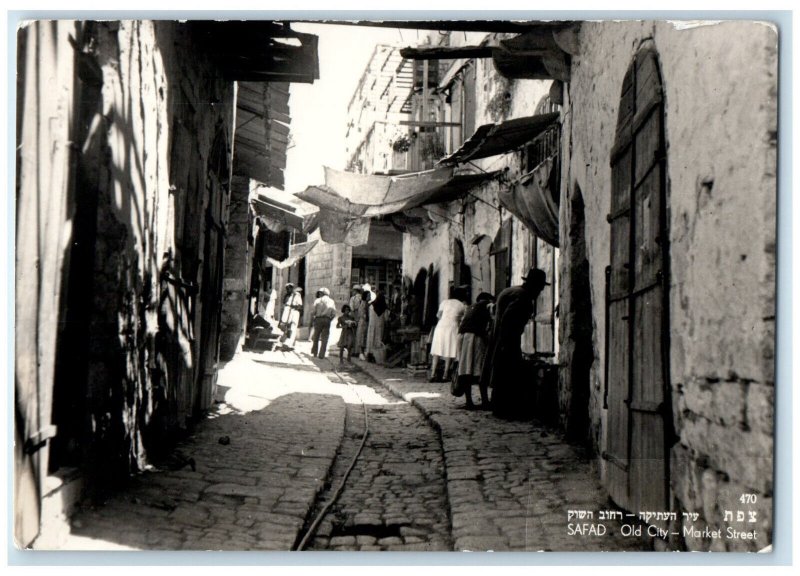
(432, 476)
(394, 498)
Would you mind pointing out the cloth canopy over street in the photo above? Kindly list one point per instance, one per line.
(348, 200)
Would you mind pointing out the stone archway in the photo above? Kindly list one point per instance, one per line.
(577, 340)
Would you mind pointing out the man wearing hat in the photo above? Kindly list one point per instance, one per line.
(290, 315)
(501, 369)
(324, 313)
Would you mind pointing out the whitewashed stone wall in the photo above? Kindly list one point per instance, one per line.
(720, 85)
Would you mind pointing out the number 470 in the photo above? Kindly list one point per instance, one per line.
(748, 498)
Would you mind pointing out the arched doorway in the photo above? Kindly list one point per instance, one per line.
(481, 269)
(418, 303)
(461, 272)
(637, 318)
(579, 349)
(431, 298)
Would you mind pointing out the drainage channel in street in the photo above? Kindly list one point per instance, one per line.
(394, 497)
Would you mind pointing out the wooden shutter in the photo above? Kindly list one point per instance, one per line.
(501, 253)
(45, 107)
(636, 311)
(469, 100)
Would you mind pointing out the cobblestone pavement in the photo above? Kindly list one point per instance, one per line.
(432, 476)
(246, 477)
(394, 498)
(510, 485)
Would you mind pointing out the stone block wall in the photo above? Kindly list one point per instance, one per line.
(238, 263)
(327, 265)
(720, 85)
(161, 111)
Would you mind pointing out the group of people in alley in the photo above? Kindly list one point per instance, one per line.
(361, 321)
(470, 345)
(480, 344)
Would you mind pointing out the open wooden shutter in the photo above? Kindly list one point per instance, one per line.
(501, 254)
(44, 181)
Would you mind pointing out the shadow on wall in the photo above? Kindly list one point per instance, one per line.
(127, 353)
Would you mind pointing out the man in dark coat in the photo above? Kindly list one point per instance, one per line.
(502, 369)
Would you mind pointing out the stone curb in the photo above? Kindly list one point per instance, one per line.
(435, 424)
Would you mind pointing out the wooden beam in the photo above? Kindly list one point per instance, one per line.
(427, 124)
(511, 26)
(514, 66)
(446, 52)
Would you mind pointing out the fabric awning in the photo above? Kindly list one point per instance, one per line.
(276, 217)
(532, 201)
(363, 195)
(492, 139)
(337, 228)
(348, 200)
(296, 252)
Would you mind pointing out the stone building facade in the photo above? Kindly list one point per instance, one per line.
(720, 123)
(664, 301)
(468, 231)
(378, 105)
(121, 248)
(381, 100)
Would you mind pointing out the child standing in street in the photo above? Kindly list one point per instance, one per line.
(347, 339)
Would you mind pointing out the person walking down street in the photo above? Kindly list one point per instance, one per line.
(377, 316)
(362, 317)
(312, 328)
(290, 315)
(324, 313)
(473, 336)
(347, 337)
(503, 364)
(444, 345)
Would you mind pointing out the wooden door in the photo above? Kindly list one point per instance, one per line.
(636, 306)
(213, 272)
(501, 254)
(45, 107)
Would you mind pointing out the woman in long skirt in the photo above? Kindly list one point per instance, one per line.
(444, 345)
(474, 333)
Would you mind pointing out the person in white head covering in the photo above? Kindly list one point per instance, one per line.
(290, 315)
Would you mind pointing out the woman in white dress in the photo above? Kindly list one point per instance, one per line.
(445, 336)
